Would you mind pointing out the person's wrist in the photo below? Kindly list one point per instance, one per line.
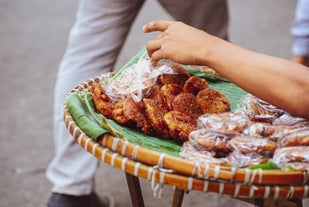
(205, 55)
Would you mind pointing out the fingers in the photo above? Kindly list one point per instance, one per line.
(159, 25)
(152, 46)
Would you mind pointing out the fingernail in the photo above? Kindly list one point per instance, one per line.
(144, 27)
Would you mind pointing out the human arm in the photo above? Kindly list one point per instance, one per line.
(280, 82)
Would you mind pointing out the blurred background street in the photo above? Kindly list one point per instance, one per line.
(33, 36)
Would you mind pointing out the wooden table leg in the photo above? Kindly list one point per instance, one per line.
(177, 197)
(135, 191)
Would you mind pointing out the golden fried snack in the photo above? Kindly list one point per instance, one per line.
(212, 101)
(179, 75)
(211, 140)
(259, 110)
(238, 159)
(167, 94)
(292, 154)
(135, 111)
(194, 85)
(154, 93)
(227, 123)
(247, 144)
(190, 152)
(118, 114)
(289, 120)
(186, 103)
(179, 125)
(103, 103)
(155, 113)
(295, 137)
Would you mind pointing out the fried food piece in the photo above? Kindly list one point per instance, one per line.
(179, 125)
(292, 154)
(211, 140)
(179, 75)
(155, 113)
(190, 152)
(103, 103)
(259, 110)
(267, 130)
(227, 123)
(118, 114)
(247, 144)
(135, 111)
(186, 103)
(212, 101)
(154, 93)
(194, 85)
(167, 94)
(295, 137)
(292, 121)
(238, 159)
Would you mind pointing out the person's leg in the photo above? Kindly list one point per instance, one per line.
(94, 42)
(209, 15)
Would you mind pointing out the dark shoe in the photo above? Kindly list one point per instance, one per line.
(92, 200)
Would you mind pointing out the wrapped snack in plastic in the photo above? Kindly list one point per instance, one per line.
(246, 144)
(292, 156)
(295, 166)
(288, 120)
(179, 75)
(259, 110)
(211, 140)
(227, 123)
(192, 153)
(294, 137)
(239, 159)
(266, 130)
(136, 79)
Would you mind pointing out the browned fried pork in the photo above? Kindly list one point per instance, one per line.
(135, 111)
(179, 76)
(118, 114)
(186, 103)
(179, 125)
(154, 93)
(212, 101)
(167, 94)
(155, 113)
(194, 85)
(103, 103)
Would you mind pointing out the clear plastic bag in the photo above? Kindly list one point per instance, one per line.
(259, 110)
(136, 79)
(296, 157)
(227, 123)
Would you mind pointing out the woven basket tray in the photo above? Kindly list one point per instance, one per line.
(161, 168)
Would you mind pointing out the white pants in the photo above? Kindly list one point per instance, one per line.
(94, 43)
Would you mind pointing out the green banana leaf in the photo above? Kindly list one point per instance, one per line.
(83, 118)
(93, 124)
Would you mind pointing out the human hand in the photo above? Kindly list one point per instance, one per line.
(304, 60)
(178, 42)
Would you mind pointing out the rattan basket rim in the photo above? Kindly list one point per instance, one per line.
(158, 175)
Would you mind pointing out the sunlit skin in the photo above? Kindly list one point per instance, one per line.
(280, 82)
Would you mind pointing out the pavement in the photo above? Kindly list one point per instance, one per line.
(33, 36)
